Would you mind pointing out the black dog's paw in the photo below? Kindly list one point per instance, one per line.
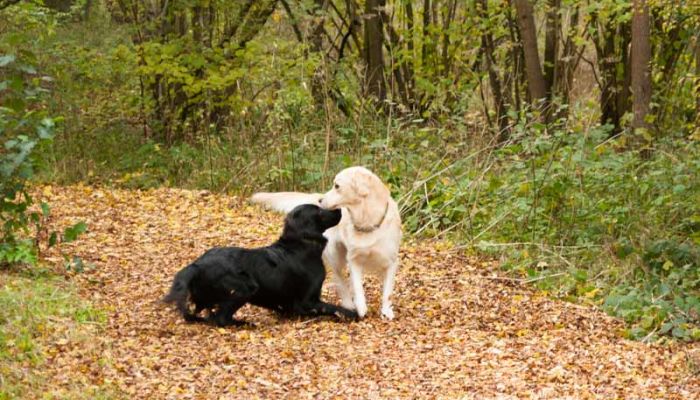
(348, 315)
(224, 322)
(193, 318)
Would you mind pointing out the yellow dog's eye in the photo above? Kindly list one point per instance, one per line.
(337, 186)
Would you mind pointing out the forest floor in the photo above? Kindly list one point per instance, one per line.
(460, 331)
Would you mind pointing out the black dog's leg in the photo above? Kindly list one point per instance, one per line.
(240, 288)
(323, 308)
(188, 314)
(224, 315)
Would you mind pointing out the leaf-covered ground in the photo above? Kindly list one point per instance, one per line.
(458, 332)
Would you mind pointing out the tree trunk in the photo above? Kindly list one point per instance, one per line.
(319, 77)
(426, 33)
(641, 58)
(398, 63)
(611, 42)
(494, 79)
(87, 9)
(568, 61)
(609, 93)
(374, 57)
(448, 17)
(528, 35)
(697, 80)
(513, 82)
(551, 47)
(197, 24)
(410, 43)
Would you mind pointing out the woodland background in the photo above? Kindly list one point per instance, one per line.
(560, 136)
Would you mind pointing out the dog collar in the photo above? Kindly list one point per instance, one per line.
(368, 229)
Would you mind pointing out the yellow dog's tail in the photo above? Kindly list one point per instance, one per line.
(285, 202)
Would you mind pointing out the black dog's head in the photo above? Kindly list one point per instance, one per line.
(309, 221)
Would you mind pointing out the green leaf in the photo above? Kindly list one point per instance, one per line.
(679, 332)
(647, 322)
(53, 239)
(643, 188)
(665, 328)
(667, 265)
(29, 69)
(6, 59)
(71, 233)
(45, 128)
(580, 275)
(45, 209)
(695, 334)
(678, 189)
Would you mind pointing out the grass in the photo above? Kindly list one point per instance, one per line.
(37, 310)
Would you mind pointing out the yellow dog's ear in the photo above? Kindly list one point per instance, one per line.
(362, 184)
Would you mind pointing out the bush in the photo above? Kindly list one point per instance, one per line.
(585, 219)
(25, 126)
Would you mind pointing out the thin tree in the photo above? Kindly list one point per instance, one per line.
(569, 59)
(488, 50)
(528, 34)
(697, 79)
(374, 57)
(611, 37)
(426, 32)
(551, 47)
(640, 59)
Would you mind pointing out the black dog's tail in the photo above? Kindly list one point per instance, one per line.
(180, 291)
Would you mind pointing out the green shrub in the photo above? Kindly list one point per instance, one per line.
(25, 127)
(579, 216)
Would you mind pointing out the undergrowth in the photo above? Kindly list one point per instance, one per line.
(581, 218)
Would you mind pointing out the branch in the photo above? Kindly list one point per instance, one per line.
(231, 30)
(295, 23)
(255, 20)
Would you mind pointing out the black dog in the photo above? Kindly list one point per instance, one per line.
(285, 277)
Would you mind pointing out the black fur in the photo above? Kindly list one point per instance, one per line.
(285, 277)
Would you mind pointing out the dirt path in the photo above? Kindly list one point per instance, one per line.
(457, 334)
